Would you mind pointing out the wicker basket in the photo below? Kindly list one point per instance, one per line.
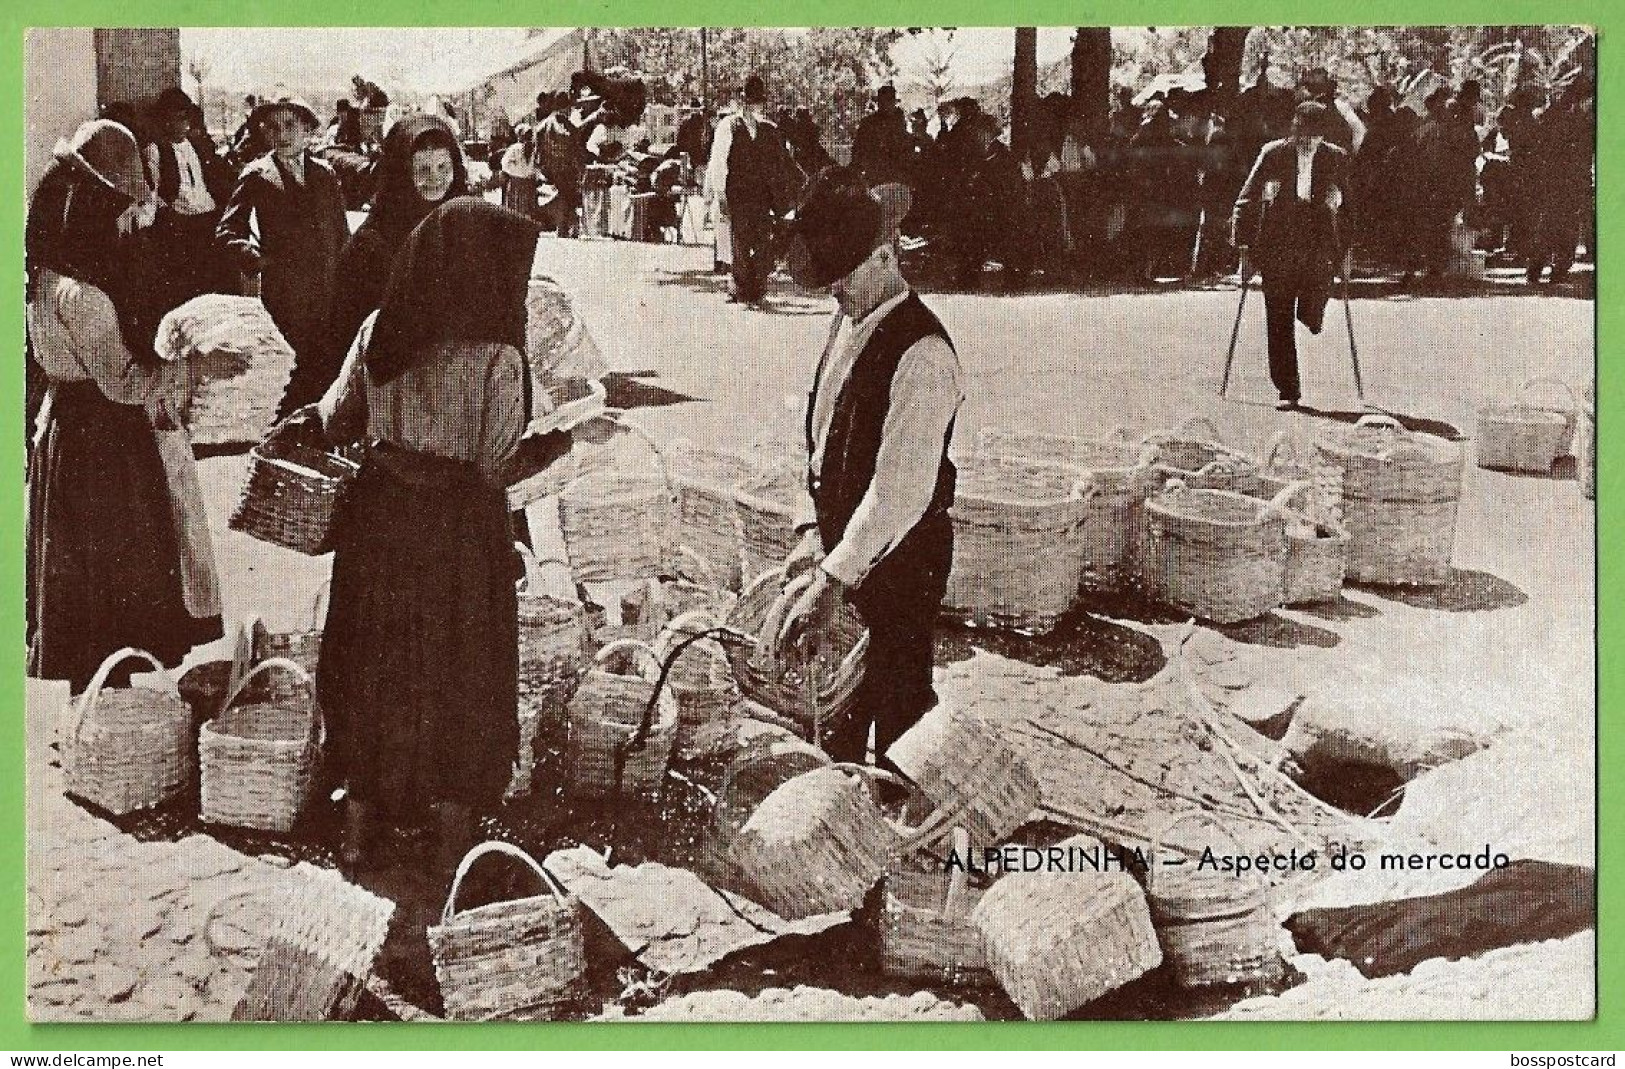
(698, 677)
(707, 523)
(1586, 446)
(303, 647)
(543, 716)
(522, 960)
(768, 757)
(1317, 558)
(1215, 927)
(1218, 555)
(1195, 445)
(1057, 941)
(959, 761)
(131, 747)
(1526, 434)
(1018, 542)
(618, 524)
(622, 727)
(809, 693)
(552, 630)
(1400, 493)
(817, 844)
(925, 929)
(258, 761)
(765, 507)
(1285, 461)
(293, 493)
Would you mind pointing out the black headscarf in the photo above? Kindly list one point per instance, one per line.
(462, 276)
(396, 205)
(72, 229)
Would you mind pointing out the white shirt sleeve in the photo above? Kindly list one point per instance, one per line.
(1352, 117)
(925, 395)
(150, 154)
(716, 172)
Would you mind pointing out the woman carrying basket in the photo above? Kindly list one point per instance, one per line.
(118, 546)
(419, 658)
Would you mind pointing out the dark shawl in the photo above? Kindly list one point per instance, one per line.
(369, 254)
(462, 276)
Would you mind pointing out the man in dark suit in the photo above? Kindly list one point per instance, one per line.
(754, 180)
(1287, 214)
(193, 185)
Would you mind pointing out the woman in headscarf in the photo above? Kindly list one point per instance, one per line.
(285, 223)
(421, 167)
(419, 659)
(118, 548)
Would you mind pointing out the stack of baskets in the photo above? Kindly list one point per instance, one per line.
(1019, 542)
(808, 693)
(766, 509)
(617, 524)
(959, 761)
(1400, 494)
(924, 923)
(1116, 471)
(552, 656)
(622, 726)
(131, 747)
(258, 761)
(1530, 432)
(1216, 554)
(293, 493)
(522, 960)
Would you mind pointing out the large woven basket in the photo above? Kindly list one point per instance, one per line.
(1218, 555)
(622, 726)
(293, 493)
(1529, 432)
(817, 844)
(1018, 542)
(698, 677)
(1400, 494)
(925, 929)
(1586, 448)
(959, 760)
(1215, 927)
(765, 507)
(131, 747)
(707, 481)
(258, 760)
(1057, 941)
(521, 960)
(811, 692)
(618, 523)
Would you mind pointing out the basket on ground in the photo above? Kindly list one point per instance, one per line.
(1195, 445)
(1056, 941)
(131, 747)
(258, 760)
(698, 677)
(1218, 555)
(617, 523)
(1529, 432)
(924, 923)
(1400, 494)
(1018, 542)
(1116, 471)
(520, 960)
(1287, 460)
(1215, 927)
(957, 759)
(622, 725)
(293, 493)
(303, 647)
(552, 630)
(809, 692)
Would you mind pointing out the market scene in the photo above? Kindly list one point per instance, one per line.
(811, 525)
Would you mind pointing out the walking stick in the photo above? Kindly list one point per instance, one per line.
(1235, 331)
(1348, 313)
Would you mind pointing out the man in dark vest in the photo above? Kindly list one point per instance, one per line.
(751, 175)
(193, 185)
(1287, 213)
(878, 423)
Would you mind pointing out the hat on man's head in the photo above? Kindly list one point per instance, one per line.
(887, 94)
(1313, 117)
(755, 90)
(284, 102)
(1318, 78)
(107, 153)
(834, 229)
(171, 101)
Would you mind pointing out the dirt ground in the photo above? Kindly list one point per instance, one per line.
(1507, 645)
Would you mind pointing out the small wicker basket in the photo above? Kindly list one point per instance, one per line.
(303, 647)
(1527, 434)
(552, 630)
(522, 960)
(811, 693)
(258, 761)
(622, 727)
(1019, 545)
(131, 747)
(618, 524)
(1218, 555)
(925, 929)
(293, 493)
(699, 678)
(1215, 927)
(1400, 495)
(958, 760)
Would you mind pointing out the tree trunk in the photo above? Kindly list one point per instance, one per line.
(1222, 64)
(1092, 80)
(1024, 91)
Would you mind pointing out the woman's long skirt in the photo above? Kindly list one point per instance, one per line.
(418, 676)
(104, 567)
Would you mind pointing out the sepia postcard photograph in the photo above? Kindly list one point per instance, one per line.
(815, 524)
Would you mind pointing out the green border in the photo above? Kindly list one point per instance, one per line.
(1606, 1031)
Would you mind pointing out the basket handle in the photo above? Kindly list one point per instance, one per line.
(270, 662)
(549, 884)
(1272, 451)
(1382, 420)
(701, 565)
(952, 903)
(1276, 507)
(87, 701)
(533, 563)
(628, 644)
(920, 832)
(1549, 381)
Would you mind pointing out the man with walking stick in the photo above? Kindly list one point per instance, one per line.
(1290, 203)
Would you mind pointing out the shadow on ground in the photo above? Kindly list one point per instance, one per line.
(1081, 644)
(1464, 591)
